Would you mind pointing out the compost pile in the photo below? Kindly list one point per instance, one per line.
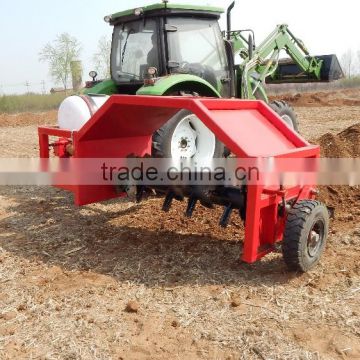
(343, 145)
(346, 144)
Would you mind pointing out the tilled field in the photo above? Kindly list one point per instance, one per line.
(125, 281)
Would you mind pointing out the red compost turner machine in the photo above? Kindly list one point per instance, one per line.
(274, 214)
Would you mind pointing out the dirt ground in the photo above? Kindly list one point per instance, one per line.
(344, 97)
(120, 280)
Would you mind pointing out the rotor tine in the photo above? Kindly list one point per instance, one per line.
(225, 218)
(191, 206)
(168, 201)
(140, 190)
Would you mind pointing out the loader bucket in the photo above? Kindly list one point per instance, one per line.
(289, 72)
(331, 69)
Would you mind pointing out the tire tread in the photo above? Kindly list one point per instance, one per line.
(296, 222)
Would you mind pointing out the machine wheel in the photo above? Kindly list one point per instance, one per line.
(185, 136)
(287, 113)
(305, 235)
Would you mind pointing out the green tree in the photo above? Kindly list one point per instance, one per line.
(101, 58)
(59, 54)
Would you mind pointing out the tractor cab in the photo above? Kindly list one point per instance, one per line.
(166, 39)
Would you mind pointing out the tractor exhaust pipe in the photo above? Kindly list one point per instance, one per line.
(228, 15)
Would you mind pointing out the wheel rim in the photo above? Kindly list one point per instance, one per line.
(287, 119)
(192, 139)
(315, 238)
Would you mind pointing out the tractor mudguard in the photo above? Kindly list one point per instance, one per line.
(179, 82)
(106, 87)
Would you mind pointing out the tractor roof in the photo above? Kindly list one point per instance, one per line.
(162, 9)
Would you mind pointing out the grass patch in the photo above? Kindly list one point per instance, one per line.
(350, 82)
(30, 102)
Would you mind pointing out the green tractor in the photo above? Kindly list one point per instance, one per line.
(179, 50)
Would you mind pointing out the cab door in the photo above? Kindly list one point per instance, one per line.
(196, 46)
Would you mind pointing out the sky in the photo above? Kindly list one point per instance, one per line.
(26, 26)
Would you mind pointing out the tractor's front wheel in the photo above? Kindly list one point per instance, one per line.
(287, 113)
(186, 137)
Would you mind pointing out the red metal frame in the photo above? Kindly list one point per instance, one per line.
(45, 132)
(124, 125)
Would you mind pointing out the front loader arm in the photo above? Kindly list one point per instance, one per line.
(283, 38)
(264, 60)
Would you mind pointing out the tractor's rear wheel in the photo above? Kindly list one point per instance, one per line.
(305, 235)
(287, 113)
(186, 137)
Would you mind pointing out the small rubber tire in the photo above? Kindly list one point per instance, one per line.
(306, 220)
(161, 141)
(287, 113)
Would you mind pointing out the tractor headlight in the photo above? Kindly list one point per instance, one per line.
(93, 75)
(138, 11)
(107, 18)
(152, 71)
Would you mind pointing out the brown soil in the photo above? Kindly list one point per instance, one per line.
(26, 119)
(346, 97)
(346, 144)
(342, 145)
(124, 281)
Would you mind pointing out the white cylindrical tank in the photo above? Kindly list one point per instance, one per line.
(76, 110)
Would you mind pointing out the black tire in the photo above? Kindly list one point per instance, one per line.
(161, 146)
(300, 251)
(285, 111)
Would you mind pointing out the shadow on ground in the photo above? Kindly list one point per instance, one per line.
(116, 240)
